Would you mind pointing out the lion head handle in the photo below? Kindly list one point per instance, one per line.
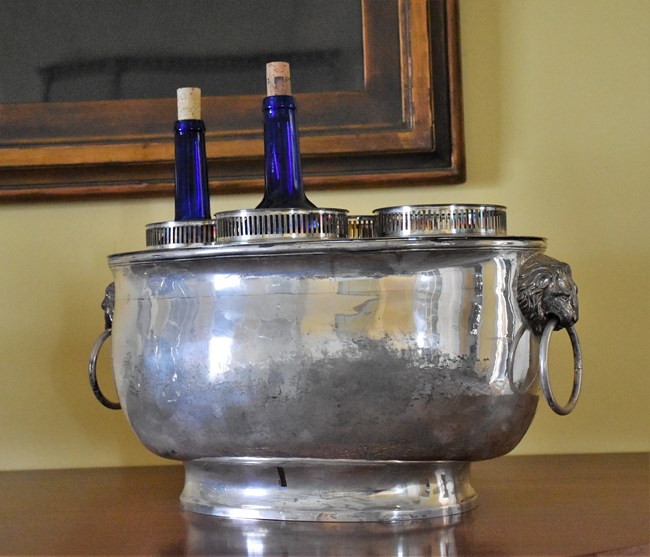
(545, 290)
(108, 305)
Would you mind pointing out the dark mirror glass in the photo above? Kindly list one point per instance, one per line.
(82, 50)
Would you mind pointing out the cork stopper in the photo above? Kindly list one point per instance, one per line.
(189, 103)
(278, 79)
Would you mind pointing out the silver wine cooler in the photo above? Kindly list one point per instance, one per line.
(310, 365)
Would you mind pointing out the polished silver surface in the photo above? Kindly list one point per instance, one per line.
(440, 220)
(176, 234)
(434, 246)
(332, 353)
(326, 490)
(263, 225)
(437, 537)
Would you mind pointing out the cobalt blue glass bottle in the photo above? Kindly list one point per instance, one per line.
(192, 192)
(283, 186)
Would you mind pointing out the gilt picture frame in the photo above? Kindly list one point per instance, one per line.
(402, 126)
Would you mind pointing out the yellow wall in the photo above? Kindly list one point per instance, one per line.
(557, 114)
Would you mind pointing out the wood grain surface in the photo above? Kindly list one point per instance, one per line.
(528, 505)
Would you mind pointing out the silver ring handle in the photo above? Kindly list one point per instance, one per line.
(543, 369)
(92, 372)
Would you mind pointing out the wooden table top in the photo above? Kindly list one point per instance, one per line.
(528, 505)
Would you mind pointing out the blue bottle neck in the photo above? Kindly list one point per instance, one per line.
(192, 190)
(283, 186)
